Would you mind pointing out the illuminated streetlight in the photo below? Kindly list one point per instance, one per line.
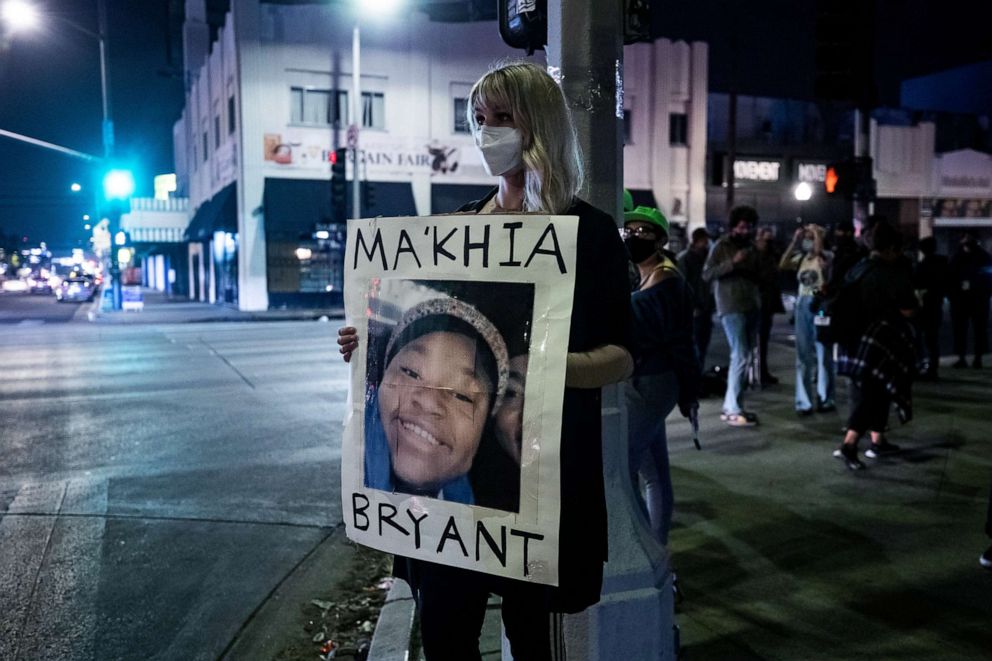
(303, 254)
(86, 216)
(87, 226)
(19, 15)
(75, 187)
(803, 191)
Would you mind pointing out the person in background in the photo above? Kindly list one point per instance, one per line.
(881, 360)
(807, 256)
(771, 297)
(667, 370)
(847, 252)
(732, 268)
(930, 279)
(690, 263)
(969, 294)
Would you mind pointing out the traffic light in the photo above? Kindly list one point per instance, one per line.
(118, 184)
(523, 24)
(850, 178)
(339, 184)
(368, 197)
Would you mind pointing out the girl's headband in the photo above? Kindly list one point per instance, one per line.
(469, 314)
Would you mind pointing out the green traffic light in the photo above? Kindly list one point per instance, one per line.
(118, 184)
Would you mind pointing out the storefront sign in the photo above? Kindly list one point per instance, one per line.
(379, 155)
(964, 174)
(759, 171)
(811, 173)
(451, 445)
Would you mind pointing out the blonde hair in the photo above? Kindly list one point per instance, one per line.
(552, 161)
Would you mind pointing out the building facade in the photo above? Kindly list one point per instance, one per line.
(269, 102)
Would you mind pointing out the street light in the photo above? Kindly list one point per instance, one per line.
(75, 188)
(19, 15)
(802, 192)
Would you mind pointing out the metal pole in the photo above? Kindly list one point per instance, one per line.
(356, 118)
(634, 619)
(108, 125)
(113, 214)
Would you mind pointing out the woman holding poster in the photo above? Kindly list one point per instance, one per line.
(523, 130)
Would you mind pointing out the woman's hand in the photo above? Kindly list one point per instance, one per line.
(348, 341)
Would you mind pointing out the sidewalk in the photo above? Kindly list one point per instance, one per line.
(161, 308)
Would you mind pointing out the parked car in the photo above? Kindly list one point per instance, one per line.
(78, 288)
(14, 286)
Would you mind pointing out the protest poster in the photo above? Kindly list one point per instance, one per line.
(450, 452)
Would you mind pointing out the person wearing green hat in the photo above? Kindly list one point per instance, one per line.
(667, 369)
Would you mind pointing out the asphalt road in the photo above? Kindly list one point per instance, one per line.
(35, 309)
(157, 483)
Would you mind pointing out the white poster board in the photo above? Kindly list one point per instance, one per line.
(451, 445)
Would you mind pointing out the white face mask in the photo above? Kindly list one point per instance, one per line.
(807, 245)
(501, 148)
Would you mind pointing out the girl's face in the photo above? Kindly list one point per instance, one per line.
(433, 404)
(509, 417)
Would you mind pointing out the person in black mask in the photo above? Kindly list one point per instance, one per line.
(733, 267)
(667, 369)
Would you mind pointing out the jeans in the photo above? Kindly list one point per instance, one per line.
(740, 328)
(649, 401)
(812, 358)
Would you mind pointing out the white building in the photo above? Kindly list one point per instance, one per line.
(268, 103)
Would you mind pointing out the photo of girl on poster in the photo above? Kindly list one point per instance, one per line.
(443, 416)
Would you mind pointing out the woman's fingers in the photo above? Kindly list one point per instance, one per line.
(348, 341)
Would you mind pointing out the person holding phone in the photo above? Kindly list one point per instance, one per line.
(733, 269)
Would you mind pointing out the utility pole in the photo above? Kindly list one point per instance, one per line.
(634, 620)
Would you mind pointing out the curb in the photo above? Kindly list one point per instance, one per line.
(391, 639)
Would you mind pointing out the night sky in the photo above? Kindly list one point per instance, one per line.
(50, 89)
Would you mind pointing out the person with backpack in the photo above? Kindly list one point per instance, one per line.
(667, 367)
(877, 344)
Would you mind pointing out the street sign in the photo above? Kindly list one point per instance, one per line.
(352, 136)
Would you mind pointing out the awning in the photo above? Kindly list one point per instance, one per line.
(294, 207)
(218, 214)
